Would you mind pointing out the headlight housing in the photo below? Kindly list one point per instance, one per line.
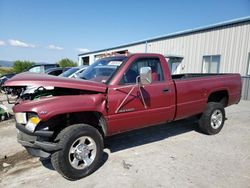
(30, 120)
(21, 118)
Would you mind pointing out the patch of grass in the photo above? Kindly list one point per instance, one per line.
(5, 70)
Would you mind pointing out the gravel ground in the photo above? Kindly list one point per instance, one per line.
(169, 155)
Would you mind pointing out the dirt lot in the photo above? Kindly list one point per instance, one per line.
(170, 155)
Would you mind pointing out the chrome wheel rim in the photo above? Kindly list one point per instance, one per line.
(82, 152)
(216, 119)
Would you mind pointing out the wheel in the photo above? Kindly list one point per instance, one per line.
(81, 153)
(212, 119)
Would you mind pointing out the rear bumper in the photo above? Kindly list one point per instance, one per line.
(37, 143)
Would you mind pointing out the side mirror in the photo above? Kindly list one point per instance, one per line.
(145, 75)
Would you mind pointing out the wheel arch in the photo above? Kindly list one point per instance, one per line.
(220, 96)
(93, 118)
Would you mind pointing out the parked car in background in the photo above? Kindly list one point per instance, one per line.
(74, 72)
(57, 71)
(5, 77)
(38, 68)
(41, 68)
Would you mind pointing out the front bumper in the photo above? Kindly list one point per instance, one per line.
(37, 143)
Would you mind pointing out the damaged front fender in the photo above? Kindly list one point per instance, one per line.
(47, 108)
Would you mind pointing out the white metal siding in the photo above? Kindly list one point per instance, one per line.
(231, 42)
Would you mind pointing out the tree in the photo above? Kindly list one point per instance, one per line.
(20, 66)
(67, 63)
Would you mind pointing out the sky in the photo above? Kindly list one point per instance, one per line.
(49, 30)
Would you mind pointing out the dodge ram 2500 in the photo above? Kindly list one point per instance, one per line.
(68, 119)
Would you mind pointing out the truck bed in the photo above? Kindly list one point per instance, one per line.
(193, 91)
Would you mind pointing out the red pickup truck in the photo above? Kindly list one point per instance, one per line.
(68, 119)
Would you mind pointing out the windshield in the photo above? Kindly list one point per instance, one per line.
(69, 72)
(102, 69)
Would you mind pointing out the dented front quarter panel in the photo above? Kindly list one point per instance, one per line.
(49, 107)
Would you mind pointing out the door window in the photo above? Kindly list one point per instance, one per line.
(134, 70)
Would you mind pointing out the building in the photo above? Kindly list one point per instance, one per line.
(218, 48)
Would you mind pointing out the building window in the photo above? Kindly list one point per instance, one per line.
(85, 60)
(211, 64)
(248, 65)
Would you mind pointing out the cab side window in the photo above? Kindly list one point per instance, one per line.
(133, 72)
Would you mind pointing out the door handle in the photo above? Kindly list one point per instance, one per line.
(165, 90)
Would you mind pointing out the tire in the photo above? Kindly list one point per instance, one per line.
(81, 151)
(212, 119)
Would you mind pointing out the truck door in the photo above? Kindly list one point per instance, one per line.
(130, 107)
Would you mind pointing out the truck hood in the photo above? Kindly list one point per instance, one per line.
(33, 79)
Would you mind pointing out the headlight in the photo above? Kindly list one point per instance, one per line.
(32, 123)
(30, 120)
(21, 118)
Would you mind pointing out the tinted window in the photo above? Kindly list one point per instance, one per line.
(55, 72)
